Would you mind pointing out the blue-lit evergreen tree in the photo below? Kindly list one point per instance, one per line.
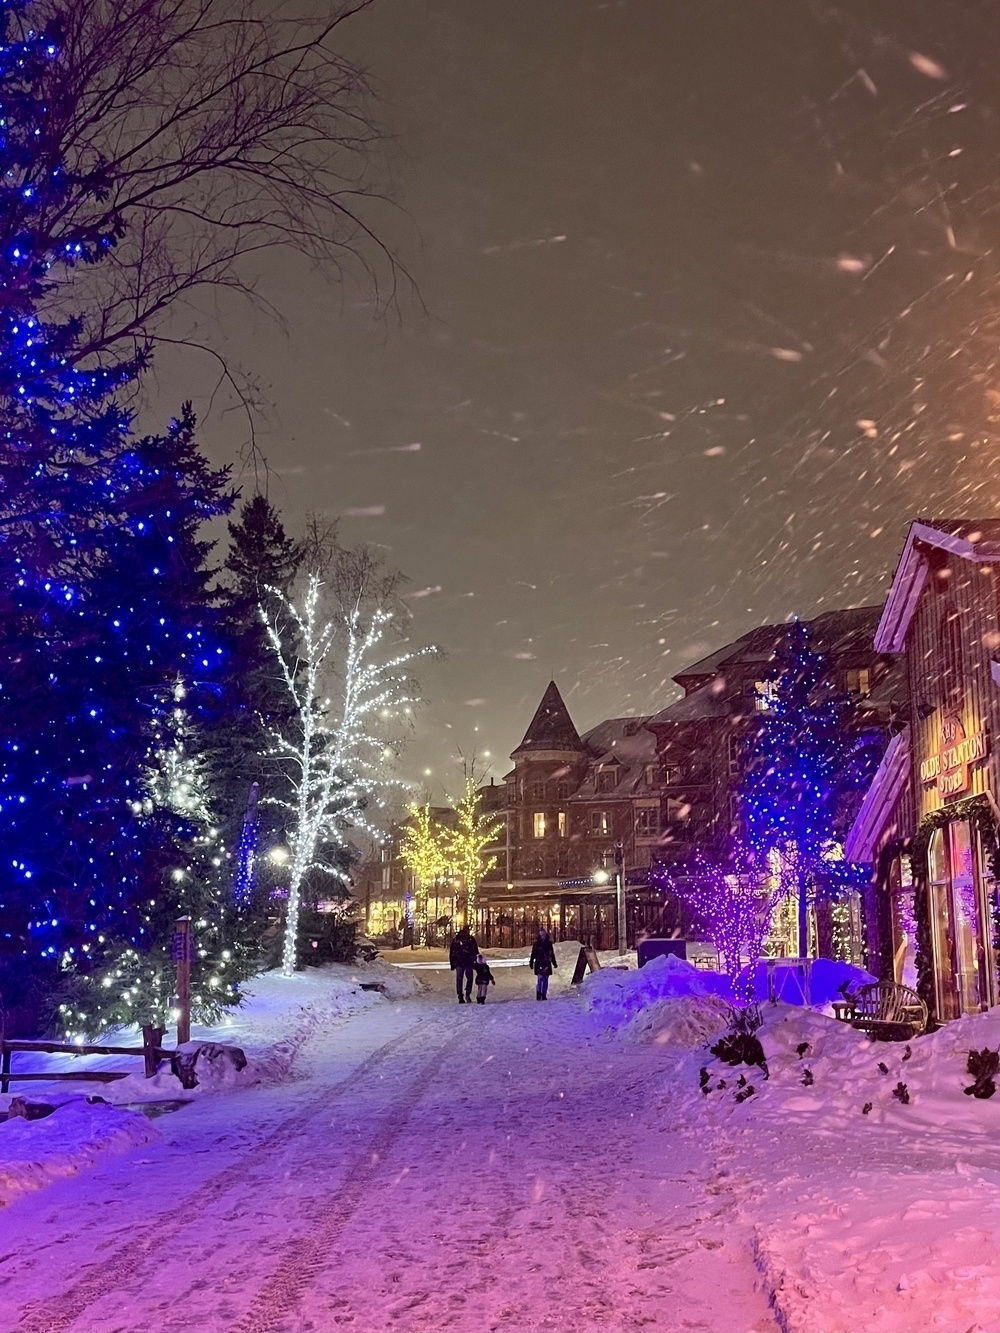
(807, 755)
(106, 617)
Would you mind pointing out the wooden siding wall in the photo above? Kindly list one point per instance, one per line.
(956, 586)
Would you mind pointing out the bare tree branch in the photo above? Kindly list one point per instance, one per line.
(205, 132)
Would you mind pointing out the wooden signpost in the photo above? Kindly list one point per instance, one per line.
(182, 953)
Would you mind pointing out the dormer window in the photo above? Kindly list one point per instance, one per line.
(859, 681)
(607, 779)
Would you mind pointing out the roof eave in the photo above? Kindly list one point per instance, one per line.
(910, 579)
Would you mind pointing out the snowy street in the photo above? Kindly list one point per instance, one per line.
(427, 1166)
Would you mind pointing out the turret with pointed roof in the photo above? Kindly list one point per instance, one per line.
(551, 729)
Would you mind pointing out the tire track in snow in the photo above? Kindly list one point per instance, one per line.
(59, 1313)
(302, 1260)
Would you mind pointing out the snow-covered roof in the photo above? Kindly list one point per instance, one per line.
(850, 629)
(976, 540)
(706, 702)
(880, 799)
(623, 742)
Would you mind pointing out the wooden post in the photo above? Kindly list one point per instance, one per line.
(182, 951)
(5, 1069)
(152, 1039)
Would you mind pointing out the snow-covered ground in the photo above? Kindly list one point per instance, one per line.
(421, 1166)
(869, 1178)
(271, 1027)
(399, 1162)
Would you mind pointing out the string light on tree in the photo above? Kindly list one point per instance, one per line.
(424, 850)
(337, 745)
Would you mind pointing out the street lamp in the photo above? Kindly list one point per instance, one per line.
(600, 876)
(620, 894)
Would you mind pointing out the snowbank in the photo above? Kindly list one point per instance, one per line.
(616, 996)
(872, 1179)
(276, 1019)
(34, 1153)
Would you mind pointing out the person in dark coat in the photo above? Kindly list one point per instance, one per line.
(484, 979)
(462, 955)
(542, 962)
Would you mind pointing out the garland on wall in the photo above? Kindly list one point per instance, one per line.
(979, 812)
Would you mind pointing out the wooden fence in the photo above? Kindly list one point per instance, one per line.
(150, 1052)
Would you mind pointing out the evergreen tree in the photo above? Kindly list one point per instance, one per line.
(116, 833)
(62, 437)
(807, 755)
(261, 566)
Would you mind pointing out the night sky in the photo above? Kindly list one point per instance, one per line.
(709, 310)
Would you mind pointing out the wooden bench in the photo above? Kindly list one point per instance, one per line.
(885, 1010)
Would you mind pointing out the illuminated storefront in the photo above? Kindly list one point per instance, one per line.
(929, 824)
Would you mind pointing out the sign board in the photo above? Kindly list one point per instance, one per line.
(649, 949)
(949, 769)
(587, 958)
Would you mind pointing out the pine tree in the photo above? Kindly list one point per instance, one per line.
(118, 832)
(62, 437)
(806, 756)
(260, 569)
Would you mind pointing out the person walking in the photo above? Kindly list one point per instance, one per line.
(484, 979)
(462, 955)
(542, 962)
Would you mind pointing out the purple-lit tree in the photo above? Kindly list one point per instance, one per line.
(732, 905)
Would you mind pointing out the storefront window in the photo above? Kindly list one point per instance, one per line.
(941, 926)
(965, 895)
(904, 926)
(959, 921)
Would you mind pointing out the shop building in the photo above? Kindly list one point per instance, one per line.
(928, 825)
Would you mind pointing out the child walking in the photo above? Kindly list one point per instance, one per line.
(484, 979)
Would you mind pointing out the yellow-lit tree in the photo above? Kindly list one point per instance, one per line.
(423, 851)
(466, 843)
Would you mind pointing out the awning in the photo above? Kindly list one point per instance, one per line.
(880, 800)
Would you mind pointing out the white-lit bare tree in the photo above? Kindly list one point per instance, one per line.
(349, 685)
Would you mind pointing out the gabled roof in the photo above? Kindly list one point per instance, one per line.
(849, 630)
(973, 539)
(623, 741)
(880, 800)
(833, 631)
(552, 727)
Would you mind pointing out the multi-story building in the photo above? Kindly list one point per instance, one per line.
(650, 789)
(701, 738)
(929, 822)
(567, 805)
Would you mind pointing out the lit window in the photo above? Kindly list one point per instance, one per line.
(561, 823)
(859, 681)
(599, 822)
(538, 824)
(764, 694)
